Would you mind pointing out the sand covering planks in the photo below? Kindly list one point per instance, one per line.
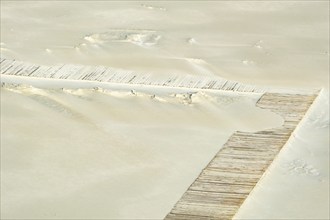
(112, 75)
(231, 175)
(227, 180)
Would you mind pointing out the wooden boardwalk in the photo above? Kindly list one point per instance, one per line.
(227, 180)
(112, 75)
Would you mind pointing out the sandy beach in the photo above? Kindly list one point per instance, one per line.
(132, 155)
(85, 150)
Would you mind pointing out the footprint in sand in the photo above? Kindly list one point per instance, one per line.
(301, 167)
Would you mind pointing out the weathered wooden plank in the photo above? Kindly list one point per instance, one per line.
(200, 185)
(213, 211)
(188, 217)
(5, 64)
(10, 68)
(226, 177)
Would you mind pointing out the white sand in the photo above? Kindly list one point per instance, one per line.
(279, 43)
(267, 43)
(297, 184)
(111, 155)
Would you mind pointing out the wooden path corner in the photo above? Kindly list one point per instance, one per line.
(228, 179)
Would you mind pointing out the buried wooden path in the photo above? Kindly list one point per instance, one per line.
(112, 75)
(104, 74)
(13, 68)
(227, 180)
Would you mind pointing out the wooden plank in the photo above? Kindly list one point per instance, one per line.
(200, 185)
(5, 64)
(209, 210)
(186, 217)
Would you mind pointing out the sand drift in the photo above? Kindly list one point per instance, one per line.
(226, 181)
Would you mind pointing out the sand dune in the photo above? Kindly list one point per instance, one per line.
(111, 154)
(97, 148)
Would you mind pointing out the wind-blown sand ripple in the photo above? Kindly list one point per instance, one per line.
(265, 43)
(120, 154)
